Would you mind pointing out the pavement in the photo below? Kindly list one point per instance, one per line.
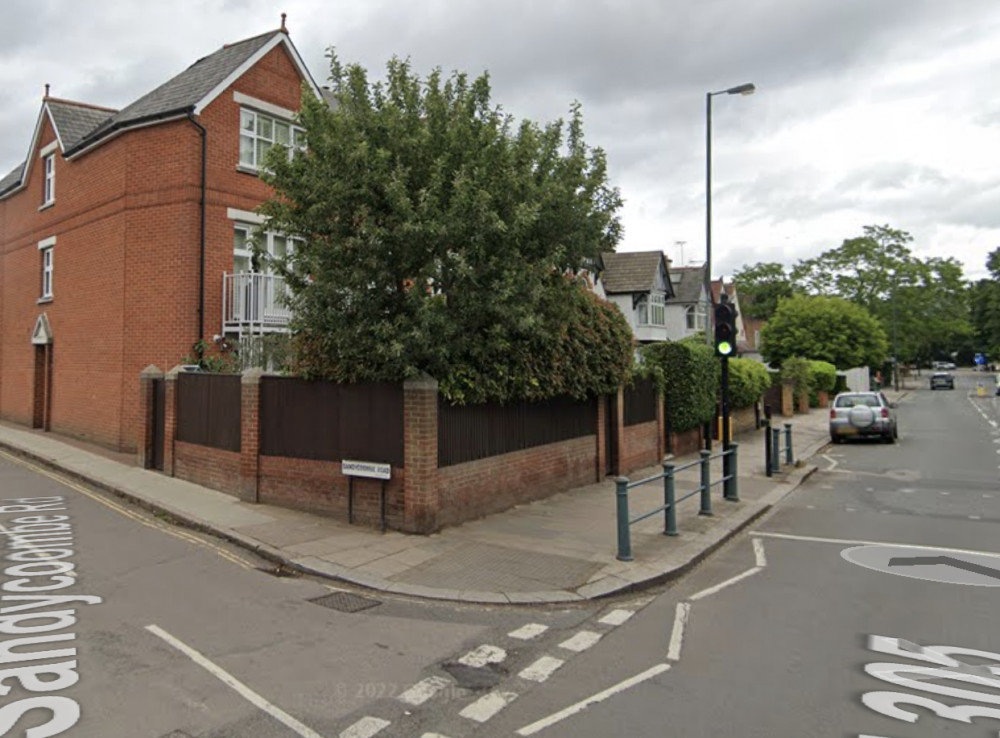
(560, 549)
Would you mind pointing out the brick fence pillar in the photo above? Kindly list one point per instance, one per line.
(249, 490)
(421, 498)
(170, 419)
(619, 421)
(145, 446)
(787, 400)
(661, 427)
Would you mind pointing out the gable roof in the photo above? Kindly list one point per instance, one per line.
(688, 283)
(80, 127)
(632, 271)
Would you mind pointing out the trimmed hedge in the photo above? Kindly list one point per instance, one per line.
(690, 375)
(748, 381)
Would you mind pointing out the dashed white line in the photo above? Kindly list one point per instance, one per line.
(616, 617)
(975, 517)
(581, 641)
(849, 542)
(987, 497)
(592, 700)
(681, 615)
(718, 587)
(758, 553)
(542, 669)
(433, 735)
(529, 631)
(487, 706)
(366, 727)
(946, 494)
(483, 655)
(423, 690)
(229, 680)
(851, 509)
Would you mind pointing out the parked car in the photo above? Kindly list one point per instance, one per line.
(945, 366)
(863, 414)
(998, 385)
(944, 380)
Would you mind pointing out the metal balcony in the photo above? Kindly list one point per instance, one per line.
(254, 303)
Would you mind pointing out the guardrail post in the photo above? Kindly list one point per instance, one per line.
(776, 449)
(669, 500)
(624, 536)
(789, 458)
(706, 484)
(731, 486)
(768, 457)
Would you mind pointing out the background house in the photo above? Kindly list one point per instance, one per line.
(688, 311)
(124, 236)
(638, 282)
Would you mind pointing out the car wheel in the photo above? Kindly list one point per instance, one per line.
(889, 437)
(836, 439)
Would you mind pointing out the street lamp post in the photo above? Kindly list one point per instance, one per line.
(744, 89)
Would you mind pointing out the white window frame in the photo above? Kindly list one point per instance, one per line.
(49, 171)
(695, 314)
(256, 135)
(651, 309)
(47, 250)
(249, 232)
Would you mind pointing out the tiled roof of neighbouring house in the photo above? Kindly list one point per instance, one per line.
(634, 271)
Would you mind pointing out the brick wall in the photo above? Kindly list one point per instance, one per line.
(125, 294)
(642, 447)
(209, 467)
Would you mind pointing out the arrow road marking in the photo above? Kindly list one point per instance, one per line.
(985, 571)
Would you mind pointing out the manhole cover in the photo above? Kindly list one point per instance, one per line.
(346, 602)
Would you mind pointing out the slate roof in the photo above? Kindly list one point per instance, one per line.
(633, 271)
(12, 179)
(184, 91)
(688, 283)
(74, 120)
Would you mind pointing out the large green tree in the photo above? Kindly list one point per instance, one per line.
(824, 328)
(439, 235)
(761, 286)
(984, 299)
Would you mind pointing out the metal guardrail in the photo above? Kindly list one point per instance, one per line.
(730, 491)
(773, 448)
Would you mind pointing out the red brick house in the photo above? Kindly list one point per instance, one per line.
(123, 234)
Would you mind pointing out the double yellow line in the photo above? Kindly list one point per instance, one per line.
(132, 514)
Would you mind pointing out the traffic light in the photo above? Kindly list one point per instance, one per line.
(725, 329)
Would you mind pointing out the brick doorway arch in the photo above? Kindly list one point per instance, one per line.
(41, 339)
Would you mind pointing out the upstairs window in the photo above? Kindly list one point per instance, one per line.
(46, 249)
(695, 317)
(259, 132)
(651, 310)
(49, 189)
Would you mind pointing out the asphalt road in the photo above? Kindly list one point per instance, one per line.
(155, 630)
(865, 605)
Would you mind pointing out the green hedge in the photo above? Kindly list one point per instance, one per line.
(690, 381)
(748, 381)
(824, 375)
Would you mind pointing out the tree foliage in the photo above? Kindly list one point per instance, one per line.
(761, 287)
(825, 328)
(984, 301)
(437, 236)
(748, 381)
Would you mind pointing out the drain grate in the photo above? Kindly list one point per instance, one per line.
(346, 602)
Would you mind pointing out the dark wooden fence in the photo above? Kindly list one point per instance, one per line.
(470, 432)
(208, 410)
(331, 422)
(640, 402)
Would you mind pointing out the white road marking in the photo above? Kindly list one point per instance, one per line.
(616, 617)
(38, 549)
(718, 587)
(592, 700)
(366, 727)
(851, 509)
(529, 631)
(885, 512)
(433, 735)
(542, 669)
(987, 497)
(907, 490)
(487, 706)
(228, 679)
(975, 517)
(483, 655)
(848, 542)
(758, 553)
(423, 690)
(810, 507)
(681, 615)
(581, 641)
(946, 494)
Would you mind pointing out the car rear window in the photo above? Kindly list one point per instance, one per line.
(857, 401)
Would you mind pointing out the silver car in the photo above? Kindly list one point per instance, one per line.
(863, 414)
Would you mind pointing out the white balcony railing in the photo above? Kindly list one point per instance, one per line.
(254, 302)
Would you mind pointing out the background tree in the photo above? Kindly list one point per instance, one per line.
(761, 286)
(984, 301)
(824, 328)
(440, 236)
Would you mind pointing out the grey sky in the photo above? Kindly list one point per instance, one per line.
(867, 112)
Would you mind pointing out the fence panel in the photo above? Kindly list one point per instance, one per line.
(470, 432)
(208, 410)
(640, 402)
(330, 422)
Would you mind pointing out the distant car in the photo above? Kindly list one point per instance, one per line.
(946, 366)
(863, 414)
(998, 385)
(942, 380)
